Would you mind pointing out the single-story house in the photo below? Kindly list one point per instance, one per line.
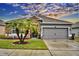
(2, 27)
(53, 28)
(75, 29)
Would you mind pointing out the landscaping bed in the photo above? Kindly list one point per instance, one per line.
(33, 44)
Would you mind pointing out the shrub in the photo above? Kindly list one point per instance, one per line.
(3, 37)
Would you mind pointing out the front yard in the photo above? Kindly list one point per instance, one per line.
(33, 44)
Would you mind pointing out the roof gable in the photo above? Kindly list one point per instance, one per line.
(52, 20)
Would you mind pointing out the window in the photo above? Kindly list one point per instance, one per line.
(40, 21)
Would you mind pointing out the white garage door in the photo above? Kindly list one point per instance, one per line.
(52, 33)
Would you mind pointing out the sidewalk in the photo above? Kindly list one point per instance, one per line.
(21, 52)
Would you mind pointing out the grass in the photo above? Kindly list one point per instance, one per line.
(77, 39)
(34, 44)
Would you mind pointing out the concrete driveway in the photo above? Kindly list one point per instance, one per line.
(62, 48)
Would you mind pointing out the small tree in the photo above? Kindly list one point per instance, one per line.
(23, 26)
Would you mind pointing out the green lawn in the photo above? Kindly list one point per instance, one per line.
(36, 44)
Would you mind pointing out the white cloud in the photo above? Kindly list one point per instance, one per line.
(41, 8)
(10, 13)
(15, 5)
(23, 7)
(26, 16)
(14, 12)
(27, 11)
(4, 9)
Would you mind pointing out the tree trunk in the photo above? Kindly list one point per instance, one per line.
(17, 32)
(25, 34)
(21, 38)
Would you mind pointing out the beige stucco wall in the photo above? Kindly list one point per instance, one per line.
(2, 30)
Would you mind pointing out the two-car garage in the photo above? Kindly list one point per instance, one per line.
(54, 28)
(55, 33)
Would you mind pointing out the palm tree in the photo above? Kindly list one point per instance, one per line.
(32, 27)
(23, 26)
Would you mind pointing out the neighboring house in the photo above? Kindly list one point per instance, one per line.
(2, 27)
(54, 28)
(75, 29)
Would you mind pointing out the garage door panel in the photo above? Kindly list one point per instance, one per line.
(52, 33)
(48, 33)
(61, 33)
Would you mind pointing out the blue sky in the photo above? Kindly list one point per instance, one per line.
(10, 11)
(72, 16)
